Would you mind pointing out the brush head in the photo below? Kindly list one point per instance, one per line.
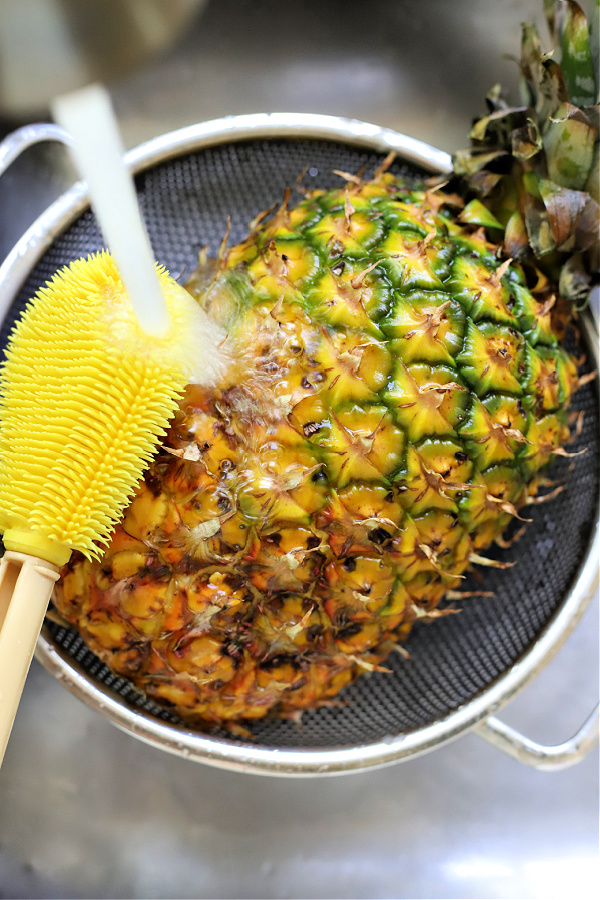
(85, 396)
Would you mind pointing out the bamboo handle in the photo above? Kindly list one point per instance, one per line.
(26, 583)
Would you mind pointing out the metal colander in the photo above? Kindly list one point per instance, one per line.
(461, 667)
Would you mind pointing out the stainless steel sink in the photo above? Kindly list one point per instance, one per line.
(86, 811)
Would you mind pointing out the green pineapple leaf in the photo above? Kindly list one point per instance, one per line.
(572, 215)
(569, 144)
(515, 237)
(536, 166)
(574, 281)
(526, 141)
(576, 62)
(475, 213)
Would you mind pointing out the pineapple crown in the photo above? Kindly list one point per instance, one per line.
(535, 166)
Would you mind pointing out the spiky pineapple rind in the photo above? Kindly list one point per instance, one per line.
(399, 388)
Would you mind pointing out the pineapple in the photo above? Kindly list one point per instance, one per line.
(399, 387)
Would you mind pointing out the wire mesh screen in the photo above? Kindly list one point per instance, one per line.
(186, 203)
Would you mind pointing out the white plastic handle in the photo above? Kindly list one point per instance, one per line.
(87, 116)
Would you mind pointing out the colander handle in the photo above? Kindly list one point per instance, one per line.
(14, 144)
(541, 756)
(17, 265)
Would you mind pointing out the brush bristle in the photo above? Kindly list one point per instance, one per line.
(85, 398)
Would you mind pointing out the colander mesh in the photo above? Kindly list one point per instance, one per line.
(186, 203)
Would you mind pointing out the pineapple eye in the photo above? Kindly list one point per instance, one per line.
(379, 536)
(311, 428)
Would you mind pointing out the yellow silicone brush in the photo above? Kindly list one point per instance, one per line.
(92, 375)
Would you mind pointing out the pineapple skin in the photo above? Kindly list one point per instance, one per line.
(397, 390)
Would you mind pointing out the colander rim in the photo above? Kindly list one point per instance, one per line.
(231, 754)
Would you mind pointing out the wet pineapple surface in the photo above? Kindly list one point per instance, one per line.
(396, 389)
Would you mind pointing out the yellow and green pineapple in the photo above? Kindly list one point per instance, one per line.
(399, 385)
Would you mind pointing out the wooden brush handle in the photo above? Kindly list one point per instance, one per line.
(26, 583)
